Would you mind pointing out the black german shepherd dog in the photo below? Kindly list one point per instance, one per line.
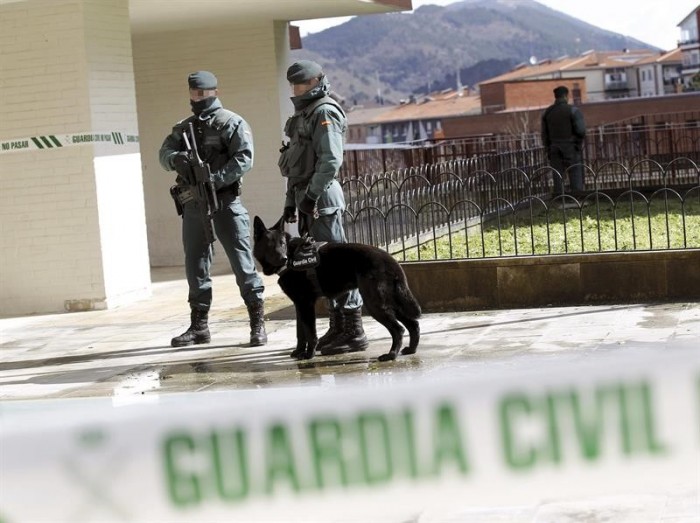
(343, 266)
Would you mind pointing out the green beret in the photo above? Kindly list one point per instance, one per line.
(302, 71)
(202, 80)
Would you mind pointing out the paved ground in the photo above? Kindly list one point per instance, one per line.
(125, 354)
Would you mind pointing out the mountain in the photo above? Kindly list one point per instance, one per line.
(399, 54)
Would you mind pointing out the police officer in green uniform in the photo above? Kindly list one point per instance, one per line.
(563, 131)
(225, 142)
(310, 161)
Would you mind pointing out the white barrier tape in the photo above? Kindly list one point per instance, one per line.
(408, 452)
(55, 141)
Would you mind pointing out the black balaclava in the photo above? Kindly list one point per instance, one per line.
(322, 89)
(202, 105)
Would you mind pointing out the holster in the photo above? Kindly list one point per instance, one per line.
(180, 195)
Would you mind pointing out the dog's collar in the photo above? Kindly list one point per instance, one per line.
(282, 270)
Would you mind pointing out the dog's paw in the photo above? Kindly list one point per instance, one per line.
(298, 354)
(408, 350)
(389, 356)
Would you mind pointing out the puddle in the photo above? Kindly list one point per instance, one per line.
(132, 387)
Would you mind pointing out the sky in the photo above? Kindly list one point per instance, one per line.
(654, 22)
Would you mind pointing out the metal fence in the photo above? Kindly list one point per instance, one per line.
(492, 195)
(467, 209)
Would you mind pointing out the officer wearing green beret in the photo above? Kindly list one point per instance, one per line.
(225, 142)
(310, 161)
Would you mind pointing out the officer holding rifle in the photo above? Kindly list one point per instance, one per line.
(211, 151)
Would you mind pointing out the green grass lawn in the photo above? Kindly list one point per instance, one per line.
(631, 226)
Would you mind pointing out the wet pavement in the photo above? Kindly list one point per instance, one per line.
(124, 355)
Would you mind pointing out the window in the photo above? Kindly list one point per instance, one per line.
(576, 93)
(615, 78)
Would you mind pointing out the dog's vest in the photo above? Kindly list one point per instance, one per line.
(306, 258)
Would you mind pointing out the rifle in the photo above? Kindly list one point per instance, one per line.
(201, 186)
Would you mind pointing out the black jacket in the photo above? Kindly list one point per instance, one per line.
(562, 123)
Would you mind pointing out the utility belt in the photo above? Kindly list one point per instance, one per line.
(230, 190)
(183, 194)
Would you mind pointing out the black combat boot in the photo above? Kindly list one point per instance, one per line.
(352, 339)
(335, 329)
(198, 331)
(256, 313)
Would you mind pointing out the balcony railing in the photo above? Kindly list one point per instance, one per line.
(616, 86)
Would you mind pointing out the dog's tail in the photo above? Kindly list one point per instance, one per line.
(406, 301)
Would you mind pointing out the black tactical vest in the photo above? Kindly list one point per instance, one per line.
(298, 158)
(212, 148)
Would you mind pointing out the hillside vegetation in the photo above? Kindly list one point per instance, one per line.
(404, 53)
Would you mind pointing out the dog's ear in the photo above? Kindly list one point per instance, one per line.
(258, 227)
(279, 226)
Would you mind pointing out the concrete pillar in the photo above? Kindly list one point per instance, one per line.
(72, 223)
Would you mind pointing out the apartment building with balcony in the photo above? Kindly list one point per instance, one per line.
(660, 75)
(416, 119)
(606, 75)
(689, 45)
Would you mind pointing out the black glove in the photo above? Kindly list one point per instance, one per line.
(290, 214)
(181, 164)
(307, 205)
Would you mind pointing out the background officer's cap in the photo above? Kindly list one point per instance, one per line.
(202, 80)
(302, 71)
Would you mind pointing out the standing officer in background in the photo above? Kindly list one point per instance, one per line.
(310, 162)
(563, 131)
(225, 142)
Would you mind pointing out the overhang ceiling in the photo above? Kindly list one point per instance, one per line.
(168, 15)
(172, 15)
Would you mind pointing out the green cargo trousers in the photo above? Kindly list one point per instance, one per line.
(232, 228)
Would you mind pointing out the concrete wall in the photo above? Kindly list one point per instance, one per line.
(556, 280)
(249, 62)
(66, 70)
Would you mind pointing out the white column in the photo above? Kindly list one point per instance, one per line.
(73, 233)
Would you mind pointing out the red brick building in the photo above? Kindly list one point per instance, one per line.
(518, 95)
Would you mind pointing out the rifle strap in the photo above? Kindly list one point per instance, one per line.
(309, 110)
